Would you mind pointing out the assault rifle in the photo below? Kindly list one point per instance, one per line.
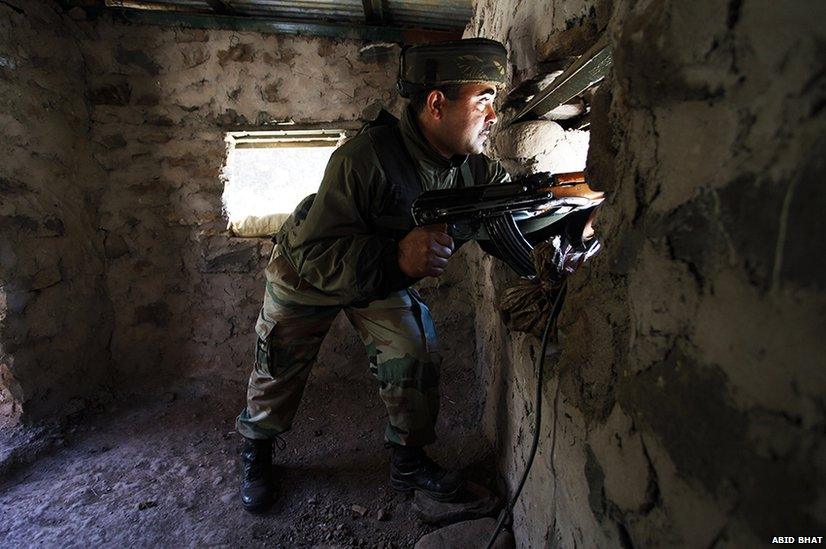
(510, 218)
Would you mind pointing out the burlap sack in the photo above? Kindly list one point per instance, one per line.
(526, 305)
(253, 226)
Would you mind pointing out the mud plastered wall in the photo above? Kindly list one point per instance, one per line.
(161, 100)
(55, 318)
(687, 405)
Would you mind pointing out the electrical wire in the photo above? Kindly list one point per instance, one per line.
(508, 510)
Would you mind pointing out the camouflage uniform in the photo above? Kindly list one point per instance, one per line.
(331, 257)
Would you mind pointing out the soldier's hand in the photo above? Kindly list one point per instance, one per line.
(424, 251)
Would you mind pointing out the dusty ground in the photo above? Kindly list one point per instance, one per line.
(162, 471)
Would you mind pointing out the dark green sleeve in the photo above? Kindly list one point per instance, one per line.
(334, 248)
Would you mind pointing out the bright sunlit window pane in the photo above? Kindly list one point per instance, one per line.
(272, 180)
(268, 173)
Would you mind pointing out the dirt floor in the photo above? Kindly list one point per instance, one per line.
(162, 471)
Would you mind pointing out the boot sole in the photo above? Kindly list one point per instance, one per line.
(257, 508)
(405, 488)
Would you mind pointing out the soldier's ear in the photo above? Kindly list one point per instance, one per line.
(435, 104)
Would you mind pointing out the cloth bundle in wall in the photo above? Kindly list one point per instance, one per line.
(526, 305)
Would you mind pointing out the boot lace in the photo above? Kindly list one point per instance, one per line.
(260, 463)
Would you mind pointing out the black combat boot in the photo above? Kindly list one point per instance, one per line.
(256, 475)
(411, 469)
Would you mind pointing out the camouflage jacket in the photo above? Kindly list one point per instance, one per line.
(338, 248)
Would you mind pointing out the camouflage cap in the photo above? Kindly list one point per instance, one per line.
(454, 62)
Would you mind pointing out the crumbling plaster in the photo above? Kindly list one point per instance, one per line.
(686, 406)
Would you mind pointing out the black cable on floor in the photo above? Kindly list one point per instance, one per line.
(508, 510)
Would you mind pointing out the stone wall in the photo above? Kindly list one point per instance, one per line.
(162, 99)
(116, 268)
(129, 158)
(686, 407)
(55, 317)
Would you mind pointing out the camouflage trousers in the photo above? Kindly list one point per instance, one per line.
(399, 336)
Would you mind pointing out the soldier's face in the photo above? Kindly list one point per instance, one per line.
(467, 120)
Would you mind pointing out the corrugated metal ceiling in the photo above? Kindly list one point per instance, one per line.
(430, 14)
(411, 14)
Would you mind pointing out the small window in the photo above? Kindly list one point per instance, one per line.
(267, 173)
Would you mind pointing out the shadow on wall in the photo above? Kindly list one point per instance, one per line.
(55, 317)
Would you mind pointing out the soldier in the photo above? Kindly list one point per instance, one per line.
(353, 247)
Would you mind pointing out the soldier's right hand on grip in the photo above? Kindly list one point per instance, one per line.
(424, 251)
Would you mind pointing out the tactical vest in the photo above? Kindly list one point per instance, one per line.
(394, 219)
